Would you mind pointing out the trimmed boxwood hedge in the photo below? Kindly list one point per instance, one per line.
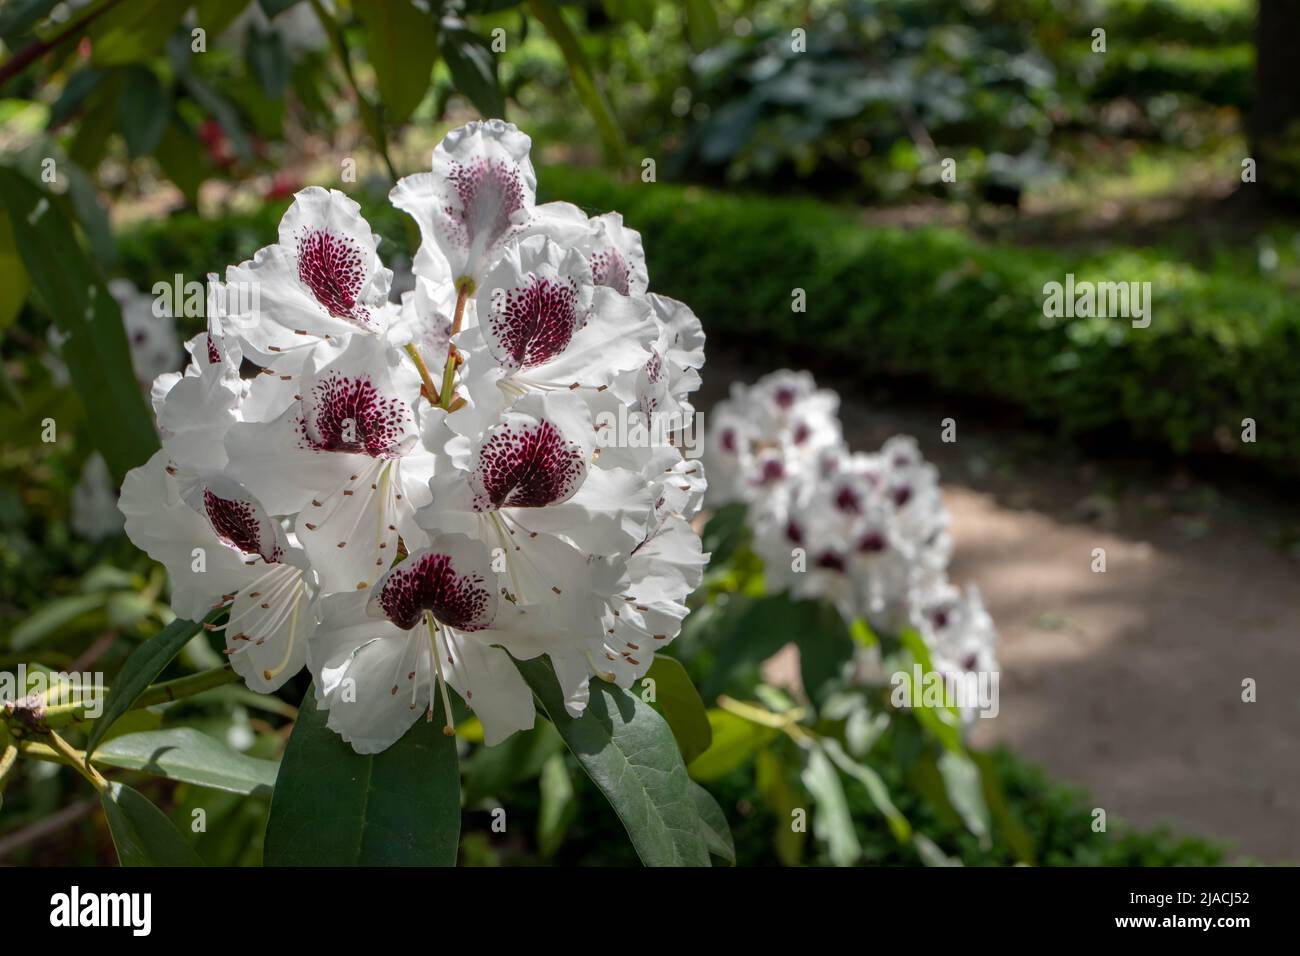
(968, 316)
(962, 315)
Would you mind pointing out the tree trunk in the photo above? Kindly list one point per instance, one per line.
(1275, 122)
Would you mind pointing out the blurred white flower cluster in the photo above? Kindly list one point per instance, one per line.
(406, 491)
(866, 531)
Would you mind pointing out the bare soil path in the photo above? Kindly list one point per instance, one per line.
(1127, 682)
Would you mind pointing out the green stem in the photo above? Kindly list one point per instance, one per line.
(426, 376)
(8, 753)
(77, 761)
(463, 288)
(163, 693)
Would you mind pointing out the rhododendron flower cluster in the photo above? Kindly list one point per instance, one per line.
(406, 494)
(866, 531)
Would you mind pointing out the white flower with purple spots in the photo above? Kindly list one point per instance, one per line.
(222, 549)
(479, 194)
(613, 252)
(542, 325)
(382, 658)
(423, 477)
(344, 457)
(322, 280)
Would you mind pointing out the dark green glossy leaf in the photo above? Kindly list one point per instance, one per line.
(142, 833)
(145, 663)
(18, 16)
(79, 86)
(132, 32)
(402, 43)
(335, 807)
(71, 291)
(629, 752)
(185, 754)
(267, 61)
(181, 156)
(91, 214)
(273, 7)
(825, 645)
(221, 110)
(473, 67)
(143, 110)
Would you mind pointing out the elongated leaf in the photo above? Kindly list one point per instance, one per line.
(275, 7)
(943, 722)
(335, 807)
(749, 632)
(832, 823)
(701, 23)
(557, 807)
(679, 702)
(73, 293)
(735, 741)
(961, 778)
(629, 752)
(221, 110)
(91, 214)
(145, 663)
(185, 754)
(17, 16)
(79, 86)
(182, 158)
(1009, 826)
(143, 110)
(473, 67)
(216, 15)
(53, 616)
(875, 788)
(713, 824)
(825, 646)
(640, 12)
(784, 797)
(267, 60)
(142, 833)
(584, 81)
(402, 43)
(132, 32)
(13, 291)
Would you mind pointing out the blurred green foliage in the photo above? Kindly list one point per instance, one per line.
(968, 316)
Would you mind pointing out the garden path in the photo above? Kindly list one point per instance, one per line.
(1127, 682)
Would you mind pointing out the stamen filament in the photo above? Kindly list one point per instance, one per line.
(447, 728)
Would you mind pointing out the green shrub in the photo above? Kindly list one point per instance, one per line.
(1221, 76)
(968, 316)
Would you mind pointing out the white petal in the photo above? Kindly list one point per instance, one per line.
(373, 677)
(481, 190)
